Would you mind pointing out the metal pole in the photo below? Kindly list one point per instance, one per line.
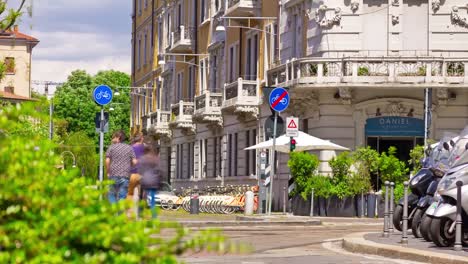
(385, 233)
(312, 203)
(284, 201)
(273, 167)
(458, 231)
(101, 147)
(390, 224)
(425, 116)
(404, 234)
(362, 204)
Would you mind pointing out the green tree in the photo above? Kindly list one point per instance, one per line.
(416, 155)
(340, 166)
(391, 168)
(52, 216)
(85, 153)
(302, 165)
(74, 102)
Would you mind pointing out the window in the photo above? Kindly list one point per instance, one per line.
(191, 82)
(247, 153)
(305, 126)
(9, 89)
(168, 30)
(139, 53)
(233, 62)
(205, 158)
(150, 98)
(215, 157)
(252, 57)
(139, 7)
(230, 156)
(235, 154)
(253, 154)
(143, 105)
(158, 94)
(189, 159)
(192, 158)
(146, 4)
(180, 82)
(179, 15)
(203, 74)
(213, 74)
(178, 161)
(144, 49)
(160, 39)
(204, 11)
(220, 154)
(10, 65)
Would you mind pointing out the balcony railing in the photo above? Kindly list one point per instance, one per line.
(241, 95)
(160, 123)
(182, 39)
(208, 107)
(241, 7)
(181, 115)
(356, 71)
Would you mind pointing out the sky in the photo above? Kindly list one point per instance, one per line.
(92, 35)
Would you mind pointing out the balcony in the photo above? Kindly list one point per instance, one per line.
(208, 108)
(422, 72)
(160, 124)
(181, 117)
(183, 39)
(242, 97)
(241, 8)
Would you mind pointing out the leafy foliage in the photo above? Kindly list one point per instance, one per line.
(302, 165)
(84, 150)
(391, 168)
(416, 155)
(53, 216)
(74, 102)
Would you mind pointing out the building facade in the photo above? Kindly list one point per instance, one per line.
(357, 72)
(16, 53)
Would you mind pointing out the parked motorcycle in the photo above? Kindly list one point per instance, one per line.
(419, 184)
(443, 219)
(436, 161)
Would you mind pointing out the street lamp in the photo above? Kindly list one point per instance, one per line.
(221, 28)
(163, 62)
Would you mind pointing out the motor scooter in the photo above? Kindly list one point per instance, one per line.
(418, 185)
(436, 161)
(442, 228)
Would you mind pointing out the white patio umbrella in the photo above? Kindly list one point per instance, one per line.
(303, 142)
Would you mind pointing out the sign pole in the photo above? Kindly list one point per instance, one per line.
(101, 147)
(273, 167)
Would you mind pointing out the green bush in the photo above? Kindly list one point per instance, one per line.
(302, 166)
(391, 168)
(53, 216)
(340, 166)
(416, 154)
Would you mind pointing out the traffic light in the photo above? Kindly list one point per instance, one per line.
(292, 144)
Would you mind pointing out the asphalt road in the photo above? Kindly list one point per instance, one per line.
(295, 245)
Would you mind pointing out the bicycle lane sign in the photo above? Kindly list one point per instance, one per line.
(279, 99)
(102, 94)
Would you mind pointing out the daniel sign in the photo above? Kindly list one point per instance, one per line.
(292, 126)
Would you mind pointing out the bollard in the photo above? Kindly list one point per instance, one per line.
(362, 204)
(390, 223)
(136, 198)
(194, 204)
(385, 233)
(249, 203)
(404, 234)
(284, 200)
(458, 231)
(312, 203)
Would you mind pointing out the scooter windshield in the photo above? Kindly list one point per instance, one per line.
(458, 153)
(440, 156)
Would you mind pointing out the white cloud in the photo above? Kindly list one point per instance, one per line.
(45, 70)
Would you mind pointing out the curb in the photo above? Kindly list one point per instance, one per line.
(358, 244)
(249, 223)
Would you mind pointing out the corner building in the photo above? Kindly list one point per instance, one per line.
(356, 72)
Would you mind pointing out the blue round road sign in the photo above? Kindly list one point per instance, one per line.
(102, 94)
(279, 99)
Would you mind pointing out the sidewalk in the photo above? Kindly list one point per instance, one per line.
(416, 250)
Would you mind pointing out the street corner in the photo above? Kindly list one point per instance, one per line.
(372, 243)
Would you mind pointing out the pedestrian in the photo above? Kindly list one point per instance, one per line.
(138, 148)
(148, 168)
(120, 158)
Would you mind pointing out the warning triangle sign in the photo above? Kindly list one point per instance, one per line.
(292, 124)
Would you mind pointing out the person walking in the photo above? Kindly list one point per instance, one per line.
(120, 158)
(138, 147)
(148, 168)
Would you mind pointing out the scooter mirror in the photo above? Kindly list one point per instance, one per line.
(452, 143)
(446, 146)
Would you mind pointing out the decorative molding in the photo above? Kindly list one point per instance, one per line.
(303, 103)
(435, 5)
(354, 5)
(396, 108)
(456, 18)
(395, 19)
(442, 96)
(321, 18)
(345, 95)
